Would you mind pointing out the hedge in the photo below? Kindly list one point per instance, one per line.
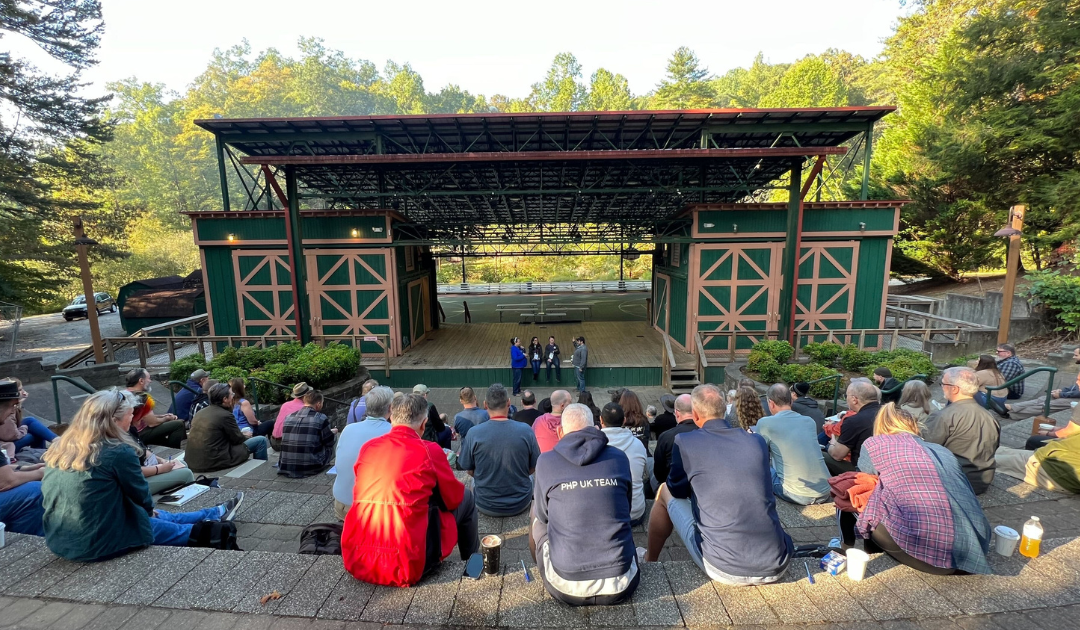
(287, 364)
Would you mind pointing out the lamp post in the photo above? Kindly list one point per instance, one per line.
(1013, 229)
(81, 245)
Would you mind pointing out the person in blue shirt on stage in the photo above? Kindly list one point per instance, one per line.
(518, 361)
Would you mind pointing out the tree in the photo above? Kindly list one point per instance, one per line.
(810, 82)
(749, 87)
(561, 90)
(50, 127)
(609, 92)
(686, 85)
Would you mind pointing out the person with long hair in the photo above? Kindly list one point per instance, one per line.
(518, 361)
(536, 355)
(29, 432)
(634, 417)
(244, 413)
(987, 374)
(585, 398)
(748, 408)
(97, 502)
(923, 511)
(20, 488)
(915, 400)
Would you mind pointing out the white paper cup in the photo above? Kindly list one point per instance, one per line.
(1007, 540)
(856, 563)
(1047, 427)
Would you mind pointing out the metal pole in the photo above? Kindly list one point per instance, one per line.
(868, 149)
(791, 255)
(81, 244)
(222, 173)
(1016, 221)
(296, 254)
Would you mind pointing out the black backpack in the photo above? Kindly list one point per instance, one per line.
(214, 535)
(321, 539)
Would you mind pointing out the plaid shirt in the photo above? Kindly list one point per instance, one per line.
(910, 500)
(307, 444)
(1011, 368)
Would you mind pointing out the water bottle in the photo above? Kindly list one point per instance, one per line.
(1030, 539)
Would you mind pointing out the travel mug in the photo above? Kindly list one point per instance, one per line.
(491, 548)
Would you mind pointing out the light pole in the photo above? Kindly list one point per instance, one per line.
(81, 245)
(1013, 229)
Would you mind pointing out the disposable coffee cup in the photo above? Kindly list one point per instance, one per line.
(1047, 427)
(491, 548)
(1007, 540)
(3, 535)
(856, 564)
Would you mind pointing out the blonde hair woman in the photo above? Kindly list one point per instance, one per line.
(97, 502)
(923, 512)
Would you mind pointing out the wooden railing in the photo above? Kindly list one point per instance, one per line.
(733, 351)
(703, 361)
(193, 324)
(667, 360)
(902, 319)
(858, 337)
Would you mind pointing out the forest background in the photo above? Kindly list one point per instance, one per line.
(987, 95)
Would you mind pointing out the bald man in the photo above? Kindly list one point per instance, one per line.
(684, 416)
(546, 426)
(580, 535)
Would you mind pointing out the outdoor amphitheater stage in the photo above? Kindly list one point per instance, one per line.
(456, 355)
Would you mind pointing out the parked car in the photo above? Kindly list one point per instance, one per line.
(77, 308)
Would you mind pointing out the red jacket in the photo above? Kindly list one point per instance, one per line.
(385, 530)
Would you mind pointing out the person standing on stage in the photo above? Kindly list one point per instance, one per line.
(580, 361)
(552, 358)
(536, 353)
(518, 361)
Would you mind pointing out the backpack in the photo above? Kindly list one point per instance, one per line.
(214, 535)
(321, 539)
(201, 402)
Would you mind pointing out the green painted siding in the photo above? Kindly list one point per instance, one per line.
(222, 290)
(832, 220)
(869, 286)
(243, 229)
(341, 227)
(677, 322)
(826, 220)
(594, 378)
(747, 220)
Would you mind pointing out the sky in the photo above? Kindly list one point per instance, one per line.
(485, 47)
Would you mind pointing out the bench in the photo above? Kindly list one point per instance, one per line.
(581, 310)
(541, 316)
(513, 309)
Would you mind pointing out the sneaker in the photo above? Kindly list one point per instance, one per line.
(641, 554)
(231, 506)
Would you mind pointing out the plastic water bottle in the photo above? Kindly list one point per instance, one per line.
(1030, 539)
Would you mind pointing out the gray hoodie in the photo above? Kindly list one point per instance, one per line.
(624, 440)
(581, 357)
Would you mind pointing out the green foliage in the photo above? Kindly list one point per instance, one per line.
(852, 359)
(1060, 294)
(780, 351)
(561, 90)
(903, 363)
(764, 365)
(964, 360)
(825, 353)
(285, 364)
(686, 85)
(796, 372)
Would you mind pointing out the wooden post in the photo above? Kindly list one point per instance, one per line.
(1016, 221)
(81, 245)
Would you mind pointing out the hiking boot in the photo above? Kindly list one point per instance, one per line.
(231, 507)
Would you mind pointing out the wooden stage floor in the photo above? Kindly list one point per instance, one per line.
(471, 346)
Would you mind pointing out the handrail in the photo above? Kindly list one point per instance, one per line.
(1013, 381)
(194, 320)
(56, 393)
(670, 353)
(255, 391)
(172, 392)
(703, 362)
(836, 387)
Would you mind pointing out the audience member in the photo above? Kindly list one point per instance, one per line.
(1010, 367)
(500, 455)
(580, 536)
(747, 408)
(24, 431)
(160, 475)
(181, 405)
(395, 514)
(353, 437)
(163, 430)
(295, 403)
(987, 374)
(546, 427)
(244, 413)
(684, 413)
(435, 419)
(665, 420)
(1060, 400)
(528, 413)
(884, 381)
(799, 474)
(1055, 464)
(215, 442)
(916, 400)
(471, 414)
(922, 512)
(20, 490)
(97, 503)
(307, 443)
(635, 417)
(863, 399)
(804, 405)
(732, 415)
(612, 419)
(358, 408)
(969, 431)
(730, 529)
(586, 398)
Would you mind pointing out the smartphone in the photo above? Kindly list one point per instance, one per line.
(474, 568)
(169, 497)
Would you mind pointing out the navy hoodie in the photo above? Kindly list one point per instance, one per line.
(583, 493)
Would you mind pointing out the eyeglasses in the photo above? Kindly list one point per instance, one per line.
(944, 384)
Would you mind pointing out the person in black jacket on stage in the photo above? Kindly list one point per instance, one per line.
(552, 359)
(536, 356)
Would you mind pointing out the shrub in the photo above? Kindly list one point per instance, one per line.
(1060, 294)
(852, 359)
(766, 367)
(794, 372)
(825, 353)
(780, 351)
(903, 363)
(181, 369)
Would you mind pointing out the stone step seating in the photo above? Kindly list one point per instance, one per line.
(1062, 359)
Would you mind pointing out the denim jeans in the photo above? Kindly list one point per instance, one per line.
(37, 434)
(21, 510)
(517, 381)
(580, 374)
(558, 371)
(536, 370)
(258, 445)
(173, 529)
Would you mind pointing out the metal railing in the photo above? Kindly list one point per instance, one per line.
(172, 391)
(597, 286)
(10, 317)
(836, 387)
(1013, 381)
(56, 392)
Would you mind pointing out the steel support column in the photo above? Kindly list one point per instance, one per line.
(222, 176)
(296, 256)
(868, 151)
(788, 266)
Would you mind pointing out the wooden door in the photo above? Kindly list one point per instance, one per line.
(662, 305)
(737, 289)
(419, 310)
(352, 293)
(826, 296)
(264, 292)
